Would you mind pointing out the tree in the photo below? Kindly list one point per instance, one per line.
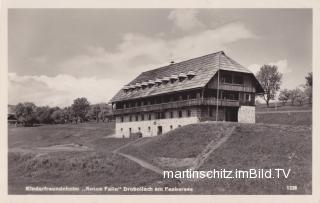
(80, 108)
(96, 111)
(25, 113)
(309, 79)
(105, 111)
(284, 96)
(294, 94)
(58, 116)
(270, 80)
(308, 87)
(300, 96)
(43, 114)
(68, 114)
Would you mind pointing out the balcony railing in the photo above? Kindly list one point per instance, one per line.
(236, 87)
(177, 104)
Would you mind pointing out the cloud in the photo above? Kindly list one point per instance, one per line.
(281, 64)
(186, 19)
(98, 73)
(60, 90)
(138, 52)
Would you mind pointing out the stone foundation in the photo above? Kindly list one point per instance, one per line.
(150, 127)
(247, 114)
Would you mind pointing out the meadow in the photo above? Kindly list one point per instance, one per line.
(83, 155)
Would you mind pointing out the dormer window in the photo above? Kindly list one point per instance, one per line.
(151, 83)
(173, 78)
(165, 80)
(131, 87)
(191, 74)
(158, 82)
(182, 76)
(144, 85)
(125, 89)
(137, 86)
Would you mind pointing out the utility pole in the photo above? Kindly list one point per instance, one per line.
(217, 106)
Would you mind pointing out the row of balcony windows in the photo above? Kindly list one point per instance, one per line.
(158, 115)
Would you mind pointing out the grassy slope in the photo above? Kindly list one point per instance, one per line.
(261, 146)
(250, 146)
(80, 169)
(184, 142)
(97, 167)
(291, 118)
(280, 107)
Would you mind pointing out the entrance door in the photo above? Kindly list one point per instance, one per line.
(232, 114)
(159, 130)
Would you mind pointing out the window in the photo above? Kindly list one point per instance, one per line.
(238, 79)
(121, 120)
(121, 129)
(142, 117)
(188, 113)
(231, 96)
(137, 118)
(171, 127)
(180, 114)
(149, 116)
(163, 115)
(210, 112)
(226, 78)
(130, 118)
(171, 114)
(179, 126)
(149, 129)
(139, 128)
(130, 130)
(247, 97)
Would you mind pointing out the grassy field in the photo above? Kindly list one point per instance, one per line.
(286, 118)
(72, 155)
(280, 107)
(82, 155)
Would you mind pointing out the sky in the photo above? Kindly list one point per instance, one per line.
(57, 55)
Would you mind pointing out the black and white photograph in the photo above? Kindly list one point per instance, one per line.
(160, 101)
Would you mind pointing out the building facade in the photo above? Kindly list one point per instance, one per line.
(212, 87)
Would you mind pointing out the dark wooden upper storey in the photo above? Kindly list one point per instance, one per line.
(197, 73)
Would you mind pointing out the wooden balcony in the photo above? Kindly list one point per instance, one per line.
(177, 104)
(236, 87)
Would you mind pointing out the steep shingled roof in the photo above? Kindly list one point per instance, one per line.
(205, 67)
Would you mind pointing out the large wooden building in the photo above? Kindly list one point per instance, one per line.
(166, 98)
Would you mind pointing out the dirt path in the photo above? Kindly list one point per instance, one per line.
(213, 145)
(123, 146)
(142, 163)
(294, 111)
(201, 158)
